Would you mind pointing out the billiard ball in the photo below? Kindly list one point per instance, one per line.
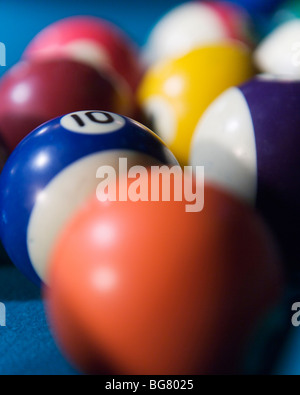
(32, 93)
(91, 40)
(3, 157)
(147, 288)
(248, 140)
(288, 10)
(258, 6)
(174, 93)
(279, 52)
(53, 170)
(195, 24)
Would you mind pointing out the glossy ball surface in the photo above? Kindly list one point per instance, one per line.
(248, 141)
(157, 290)
(279, 52)
(32, 93)
(52, 172)
(196, 24)
(90, 40)
(3, 156)
(175, 93)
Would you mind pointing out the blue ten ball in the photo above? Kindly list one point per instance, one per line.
(53, 171)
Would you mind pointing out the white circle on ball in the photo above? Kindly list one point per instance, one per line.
(60, 199)
(92, 122)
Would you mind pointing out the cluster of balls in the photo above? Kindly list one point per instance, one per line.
(145, 287)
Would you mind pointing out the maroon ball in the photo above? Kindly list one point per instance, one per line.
(32, 93)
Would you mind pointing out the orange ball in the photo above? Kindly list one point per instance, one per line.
(148, 288)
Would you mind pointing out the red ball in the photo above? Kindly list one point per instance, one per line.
(32, 93)
(93, 41)
(148, 288)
